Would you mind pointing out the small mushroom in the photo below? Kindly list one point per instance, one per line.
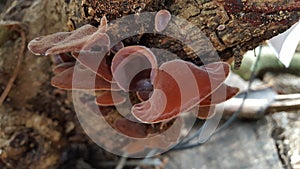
(117, 47)
(206, 108)
(85, 80)
(206, 112)
(103, 27)
(159, 141)
(61, 58)
(162, 19)
(141, 82)
(164, 104)
(62, 67)
(62, 42)
(130, 128)
(143, 95)
(96, 62)
(129, 61)
(91, 105)
(83, 38)
(40, 45)
(172, 95)
(99, 42)
(110, 98)
(221, 94)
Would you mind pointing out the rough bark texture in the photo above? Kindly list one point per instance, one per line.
(233, 26)
(38, 128)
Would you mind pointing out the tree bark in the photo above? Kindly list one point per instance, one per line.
(38, 127)
(232, 26)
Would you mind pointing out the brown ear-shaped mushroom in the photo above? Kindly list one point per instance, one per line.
(161, 141)
(110, 98)
(143, 95)
(164, 102)
(131, 60)
(206, 109)
(179, 86)
(103, 27)
(221, 94)
(206, 112)
(97, 61)
(142, 81)
(117, 47)
(85, 80)
(62, 58)
(72, 43)
(62, 67)
(141, 84)
(75, 40)
(98, 42)
(91, 60)
(162, 19)
(61, 42)
(130, 128)
(90, 104)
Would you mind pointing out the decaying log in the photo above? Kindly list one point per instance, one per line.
(233, 26)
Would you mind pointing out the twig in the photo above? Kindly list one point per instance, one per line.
(82, 164)
(284, 105)
(121, 163)
(254, 108)
(16, 26)
(287, 97)
(144, 162)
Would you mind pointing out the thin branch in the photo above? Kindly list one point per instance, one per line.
(121, 163)
(16, 26)
(145, 162)
(256, 108)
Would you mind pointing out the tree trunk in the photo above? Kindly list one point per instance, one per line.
(233, 27)
(38, 125)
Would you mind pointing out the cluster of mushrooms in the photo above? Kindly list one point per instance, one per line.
(163, 91)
